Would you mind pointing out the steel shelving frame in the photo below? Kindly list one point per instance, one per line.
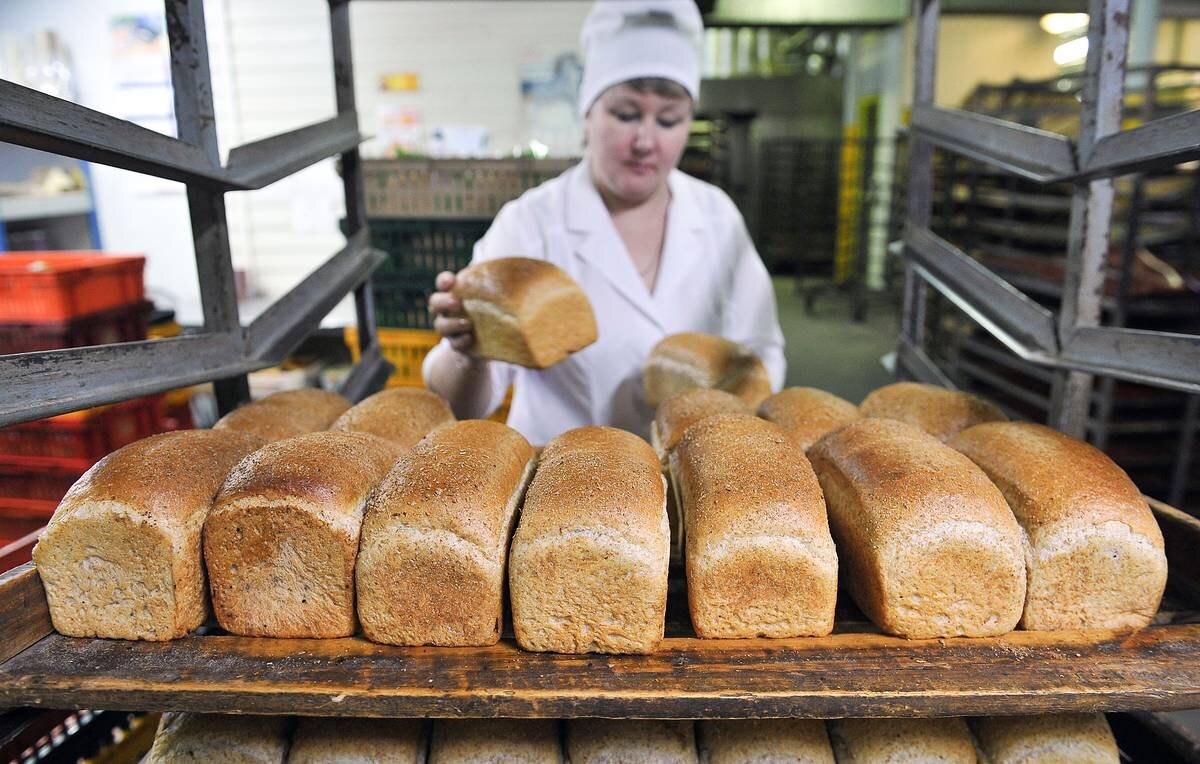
(43, 384)
(1072, 342)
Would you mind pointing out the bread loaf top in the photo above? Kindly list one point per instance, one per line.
(514, 284)
(162, 479)
(711, 361)
(455, 478)
(402, 414)
(807, 413)
(742, 475)
(911, 481)
(936, 410)
(327, 473)
(680, 411)
(1049, 477)
(286, 414)
(596, 477)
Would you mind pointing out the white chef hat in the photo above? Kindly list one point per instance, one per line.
(627, 39)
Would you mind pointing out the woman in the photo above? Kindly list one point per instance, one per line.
(656, 251)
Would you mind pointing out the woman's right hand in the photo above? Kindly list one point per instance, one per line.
(449, 319)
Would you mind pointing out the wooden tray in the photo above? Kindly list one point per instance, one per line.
(854, 672)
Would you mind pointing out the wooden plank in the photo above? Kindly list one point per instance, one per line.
(1181, 537)
(855, 674)
(24, 614)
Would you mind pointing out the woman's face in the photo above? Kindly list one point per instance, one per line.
(635, 139)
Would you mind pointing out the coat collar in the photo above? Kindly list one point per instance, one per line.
(596, 239)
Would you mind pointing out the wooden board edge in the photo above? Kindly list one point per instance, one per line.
(1181, 539)
(24, 612)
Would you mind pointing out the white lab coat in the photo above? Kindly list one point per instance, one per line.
(710, 279)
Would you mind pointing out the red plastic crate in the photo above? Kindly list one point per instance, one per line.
(17, 538)
(85, 436)
(54, 286)
(43, 483)
(127, 323)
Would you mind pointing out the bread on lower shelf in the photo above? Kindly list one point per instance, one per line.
(1061, 738)
(495, 741)
(184, 738)
(588, 564)
(693, 359)
(121, 556)
(282, 537)
(764, 741)
(435, 536)
(616, 741)
(403, 415)
(900, 741)
(928, 545)
(286, 415)
(325, 740)
(807, 414)
(760, 559)
(1096, 556)
(936, 410)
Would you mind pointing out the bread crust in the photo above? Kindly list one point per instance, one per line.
(1094, 551)
(806, 414)
(435, 536)
(286, 414)
(764, 741)
(680, 411)
(403, 415)
(693, 359)
(616, 741)
(495, 741)
(760, 558)
(183, 738)
(588, 564)
(936, 410)
(281, 540)
(525, 311)
(121, 556)
(325, 740)
(928, 546)
(1061, 738)
(946, 740)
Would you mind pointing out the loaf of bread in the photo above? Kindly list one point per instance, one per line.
(936, 410)
(524, 311)
(435, 537)
(495, 741)
(806, 413)
(617, 741)
(682, 410)
(403, 415)
(588, 565)
(319, 740)
(120, 558)
(286, 415)
(900, 741)
(1061, 738)
(282, 536)
(764, 741)
(760, 560)
(229, 739)
(1094, 551)
(682, 361)
(928, 546)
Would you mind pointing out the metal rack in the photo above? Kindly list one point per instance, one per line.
(43, 384)
(1071, 342)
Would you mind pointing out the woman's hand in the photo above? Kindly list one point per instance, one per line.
(449, 320)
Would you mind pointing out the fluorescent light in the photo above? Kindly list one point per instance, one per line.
(1071, 52)
(1064, 23)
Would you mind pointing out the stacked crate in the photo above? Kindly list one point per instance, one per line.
(54, 300)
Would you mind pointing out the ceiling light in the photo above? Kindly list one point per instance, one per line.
(1071, 52)
(1064, 23)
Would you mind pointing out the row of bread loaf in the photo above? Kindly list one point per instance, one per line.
(1062, 739)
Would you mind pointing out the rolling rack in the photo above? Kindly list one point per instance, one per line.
(856, 671)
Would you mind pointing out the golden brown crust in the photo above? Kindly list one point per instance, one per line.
(287, 414)
(764, 741)
(807, 414)
(1096, 555)
(929, 546)
(936, 410)
(525, 311)
(430, 568)
(693, 359)
(339, 740)
(902, 740)
(231, 739)
(1061, 738)
(680, 411)
(403, 415)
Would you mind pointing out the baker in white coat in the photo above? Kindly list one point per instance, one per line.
(656, 251)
